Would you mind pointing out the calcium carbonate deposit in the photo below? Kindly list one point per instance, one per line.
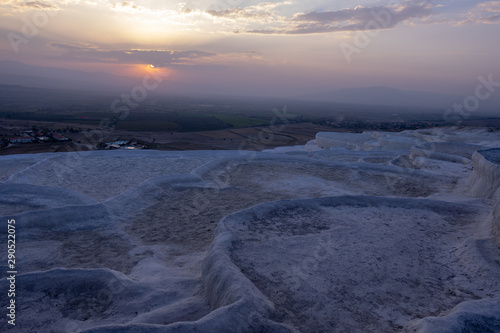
(370, 232)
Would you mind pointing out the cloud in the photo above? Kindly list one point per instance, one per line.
(491, 6)
(355, 19)
(485, 13)
(126, 4)
(260, 12)
(37, 5)
(491, 19)
(159, 58)
(237, 12)
(22, 6)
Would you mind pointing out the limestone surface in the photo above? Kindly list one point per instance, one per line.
(370, 232)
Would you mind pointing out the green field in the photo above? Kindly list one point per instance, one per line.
(184, 121)
(238, 121)
(170, 121)
(147, 125)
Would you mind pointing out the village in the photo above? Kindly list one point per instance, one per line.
(49, 137)
(30, 136)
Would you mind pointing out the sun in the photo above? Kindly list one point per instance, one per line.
(151, 68)
(148, 70)
(157, 71)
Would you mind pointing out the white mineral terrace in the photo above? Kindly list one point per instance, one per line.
(371, 232)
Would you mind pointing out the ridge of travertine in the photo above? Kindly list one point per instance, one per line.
(370, 232)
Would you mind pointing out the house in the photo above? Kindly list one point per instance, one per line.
(115, 144)
(58, 137)
(21, 139)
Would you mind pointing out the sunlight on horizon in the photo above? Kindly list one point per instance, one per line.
(333, 43)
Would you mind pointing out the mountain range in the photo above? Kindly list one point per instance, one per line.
(16, 73)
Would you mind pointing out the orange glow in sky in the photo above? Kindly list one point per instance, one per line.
(260, 47)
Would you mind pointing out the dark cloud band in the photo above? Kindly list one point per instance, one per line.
(159, 58)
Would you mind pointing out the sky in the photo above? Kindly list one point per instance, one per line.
(281, 48)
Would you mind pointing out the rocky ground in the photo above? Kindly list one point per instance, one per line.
(372, 232)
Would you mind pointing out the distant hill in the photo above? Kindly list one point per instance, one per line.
(16, 73)
(386, 96)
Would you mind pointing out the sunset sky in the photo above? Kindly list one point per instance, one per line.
(252, 46)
